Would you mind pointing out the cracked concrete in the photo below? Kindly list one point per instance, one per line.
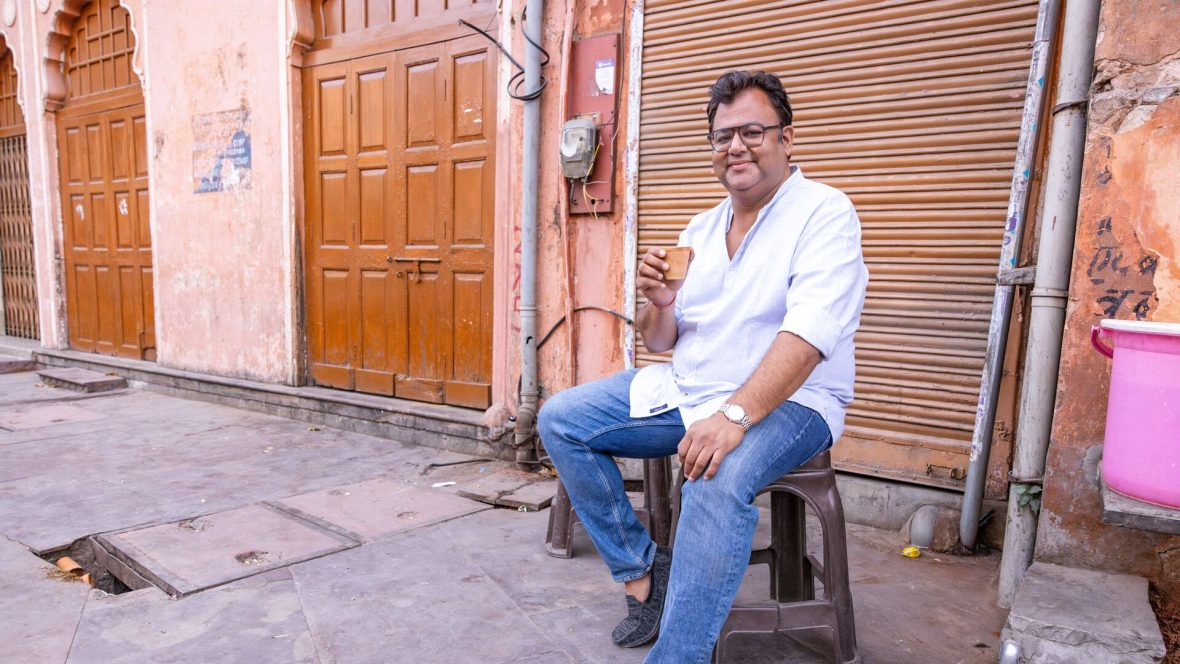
(469, 586)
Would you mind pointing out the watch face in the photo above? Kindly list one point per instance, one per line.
(735, 412)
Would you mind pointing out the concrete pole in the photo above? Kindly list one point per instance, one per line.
(1049, 295)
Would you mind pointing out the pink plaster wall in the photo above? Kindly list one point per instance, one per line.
(223, 260)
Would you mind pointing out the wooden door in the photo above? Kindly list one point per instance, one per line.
(399, 222)
(102, 159)
(108, 252)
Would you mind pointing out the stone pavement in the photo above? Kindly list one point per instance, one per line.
(289, 542)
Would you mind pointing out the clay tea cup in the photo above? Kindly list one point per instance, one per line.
(677, 259)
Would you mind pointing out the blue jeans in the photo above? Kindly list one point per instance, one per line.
(585, 426)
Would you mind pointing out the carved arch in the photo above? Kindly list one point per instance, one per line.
(61, 26)
(300, 29)
(5, 45)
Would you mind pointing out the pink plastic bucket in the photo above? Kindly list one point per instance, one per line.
(1141, 457)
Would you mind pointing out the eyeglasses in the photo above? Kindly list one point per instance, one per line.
(751, 134)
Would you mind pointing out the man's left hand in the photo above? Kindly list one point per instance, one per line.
(706, 445)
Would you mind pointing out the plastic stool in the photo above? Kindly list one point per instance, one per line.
(656, 512)
(793, 571)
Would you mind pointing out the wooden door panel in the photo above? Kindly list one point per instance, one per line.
(469, 178)
(84, 301)
(141, 207)
(93, 153)
(107, 291)
(422, 210)
(374, 195)
(334, 227)
(78, 228)
(331, 113)
(469, 85)
(421, 94)
(120, 151)
(371, 108)
(131, 308)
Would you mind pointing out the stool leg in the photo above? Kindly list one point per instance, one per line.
(559, 538)
(656, 480)
(837, 586)
(790, 578)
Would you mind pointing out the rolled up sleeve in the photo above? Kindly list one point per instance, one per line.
(828, 278)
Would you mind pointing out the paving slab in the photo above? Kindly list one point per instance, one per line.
(34, 417)
(208, 551)
(417, 597)
(503, 481)
(49, 512)
(39, 607)
(1063, 614)
(532, 497)
(257, 620)
(82, 380)
(377, 508)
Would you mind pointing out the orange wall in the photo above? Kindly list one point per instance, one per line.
(1125, 266)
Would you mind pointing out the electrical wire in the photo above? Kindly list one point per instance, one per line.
(517, 81)
(588, 307)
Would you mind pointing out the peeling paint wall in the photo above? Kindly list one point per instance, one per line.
(596, 244)
(221, 260)
(1125, 266)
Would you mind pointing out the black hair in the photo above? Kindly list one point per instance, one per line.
(733, 83)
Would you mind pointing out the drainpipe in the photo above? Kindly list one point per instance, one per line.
(997, 337)
(1049, 295)
(530, 394)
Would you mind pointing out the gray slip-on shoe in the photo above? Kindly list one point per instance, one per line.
(642, 624)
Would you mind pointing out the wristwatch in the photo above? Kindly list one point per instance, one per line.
(736, 414)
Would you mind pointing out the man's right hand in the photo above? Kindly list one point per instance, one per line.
(650, 280)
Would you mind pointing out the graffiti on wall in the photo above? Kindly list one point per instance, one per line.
(221, 151)
(1111, 267)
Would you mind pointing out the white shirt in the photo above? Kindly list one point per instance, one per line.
(799, 269)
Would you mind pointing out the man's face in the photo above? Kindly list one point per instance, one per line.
(752, 171)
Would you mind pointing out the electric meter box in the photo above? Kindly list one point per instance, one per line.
(579, 140)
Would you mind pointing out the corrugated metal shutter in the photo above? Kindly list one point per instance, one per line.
(911, 108)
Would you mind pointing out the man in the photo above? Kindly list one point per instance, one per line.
(761, 372)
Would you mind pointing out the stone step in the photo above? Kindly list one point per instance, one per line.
(1123, 510)
(15, 364)
(1063, 614)
(82, 380)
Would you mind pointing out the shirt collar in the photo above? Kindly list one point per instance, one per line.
(792, 179)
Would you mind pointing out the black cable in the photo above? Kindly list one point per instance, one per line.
(585, 308)
(517, 80)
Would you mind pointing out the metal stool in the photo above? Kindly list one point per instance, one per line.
(656, 512)
(793, 571)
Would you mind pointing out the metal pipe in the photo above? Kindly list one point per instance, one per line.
(1054, 258)
(526, 414)
(997, 337)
